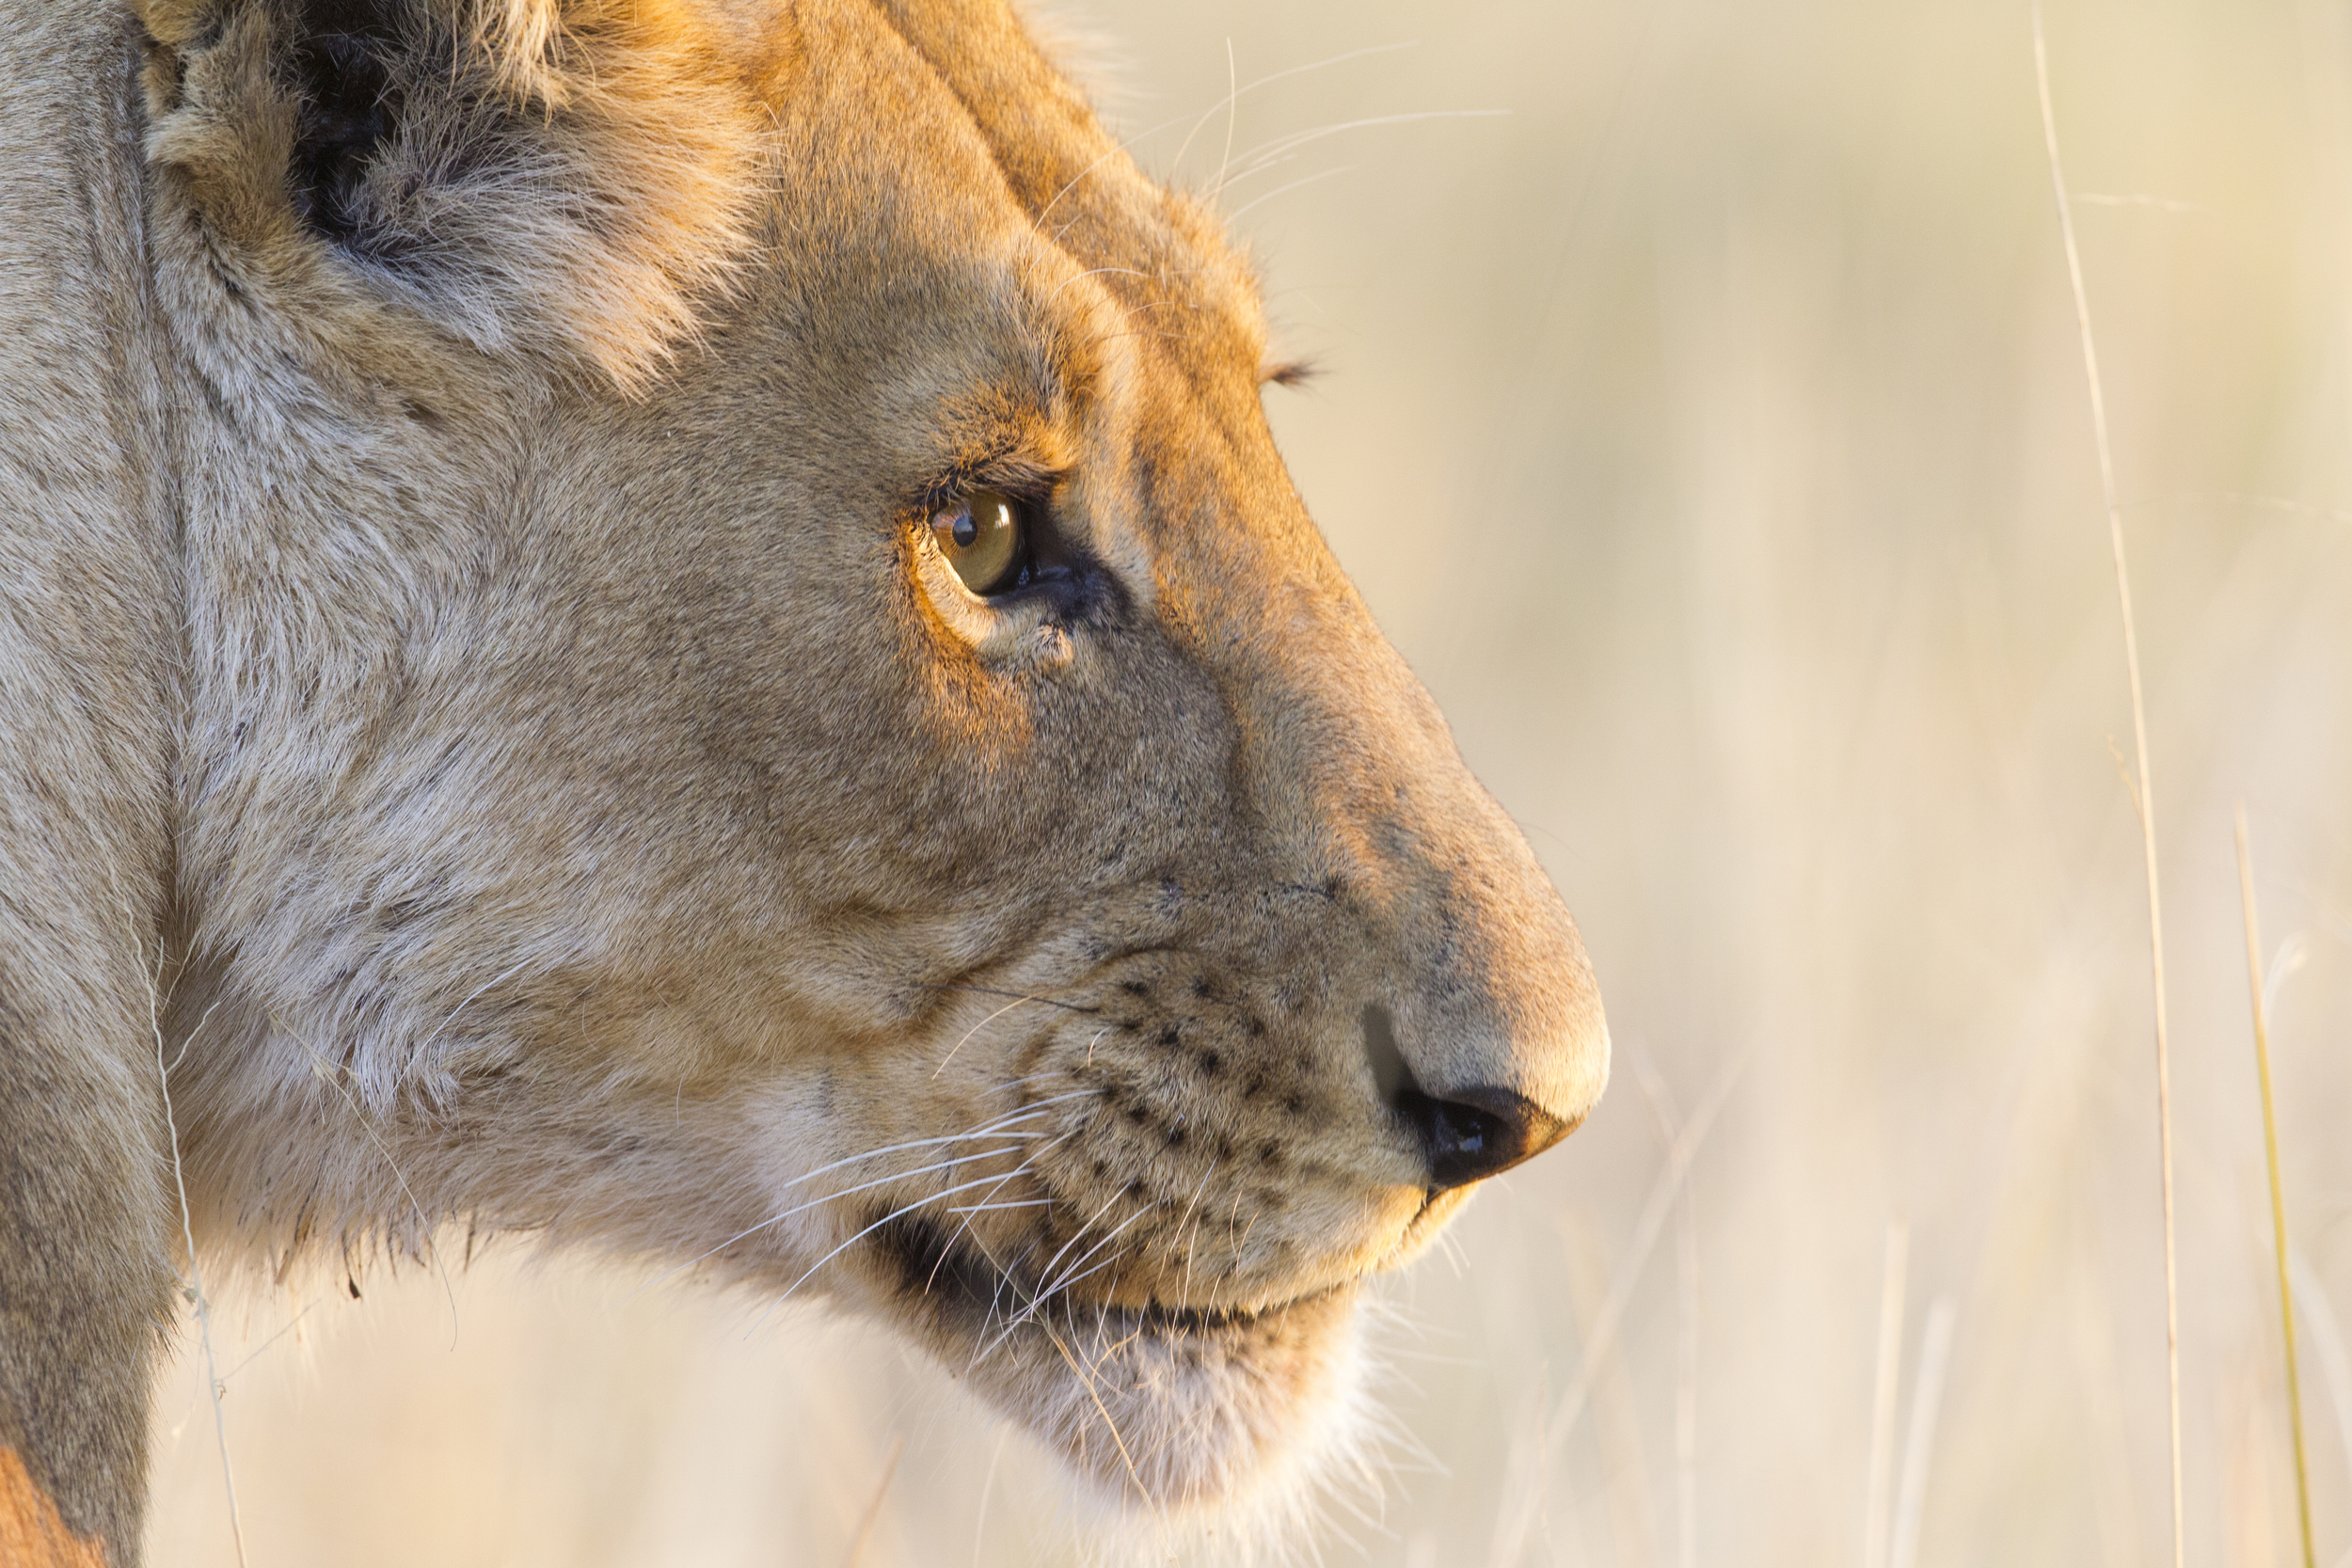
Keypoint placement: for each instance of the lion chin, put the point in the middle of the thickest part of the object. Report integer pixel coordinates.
(1181, 1413)
(676, 626)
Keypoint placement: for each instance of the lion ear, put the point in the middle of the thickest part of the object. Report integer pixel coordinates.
(564, 177)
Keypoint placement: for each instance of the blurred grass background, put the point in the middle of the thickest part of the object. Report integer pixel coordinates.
(1708, 431)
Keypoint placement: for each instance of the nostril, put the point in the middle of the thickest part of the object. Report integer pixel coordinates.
(1468, 1133)
(1477, 1132)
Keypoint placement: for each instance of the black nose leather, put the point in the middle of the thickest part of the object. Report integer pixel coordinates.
(1466, 1135)
(1476, 1133)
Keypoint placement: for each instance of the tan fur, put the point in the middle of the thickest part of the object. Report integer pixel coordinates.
(486, 661)
(32, 1533)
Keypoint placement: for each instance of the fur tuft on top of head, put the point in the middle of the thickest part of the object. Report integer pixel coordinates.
(562, 178)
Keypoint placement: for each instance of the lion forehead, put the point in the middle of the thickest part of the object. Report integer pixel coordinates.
(1074, 187)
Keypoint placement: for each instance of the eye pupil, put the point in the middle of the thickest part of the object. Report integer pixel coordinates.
(964, 528)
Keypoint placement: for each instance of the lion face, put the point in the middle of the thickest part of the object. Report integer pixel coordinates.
(759, 697)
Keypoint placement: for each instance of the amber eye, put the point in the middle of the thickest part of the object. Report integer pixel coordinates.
(980, 536)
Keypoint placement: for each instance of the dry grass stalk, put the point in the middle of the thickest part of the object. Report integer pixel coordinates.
(1687, 1383)
(1877, 1511)
(2277, 1192)
(1662, 1104)
(196, 1280)
(864, 1535)
(1927, 1400)
(1517, 1519)
(2143, 796)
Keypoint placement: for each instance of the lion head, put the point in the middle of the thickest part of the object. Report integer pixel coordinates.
(754, 694)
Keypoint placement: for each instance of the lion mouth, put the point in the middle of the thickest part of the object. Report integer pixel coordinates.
(1162, 1405)
(951, 1280)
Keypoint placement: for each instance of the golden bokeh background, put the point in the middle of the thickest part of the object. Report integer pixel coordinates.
(1709, 431)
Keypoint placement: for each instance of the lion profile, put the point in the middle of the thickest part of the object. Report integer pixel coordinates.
(674, 624)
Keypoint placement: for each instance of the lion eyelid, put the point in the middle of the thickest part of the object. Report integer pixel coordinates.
(1026, 479)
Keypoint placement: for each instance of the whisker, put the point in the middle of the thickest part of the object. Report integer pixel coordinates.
(1232, 116)
(1005, 1282)
(1054, 1262)
(1245, 1236)
(1038, 223)
(1233, 94)
(1087, 1382)
(992, 1018)
(1184, 1294)
(992, 990)
(1098, 1246)
(1019, 1082)
(967, 1211)
(898, 1212)
(1028, 1165)
(1256, 160)
(781, 1215)
(1090, 272)
(1120, 1343)
(1033, 1304)
(1045, 1297)
(1063, 1287)
(1023, 1168)
(985, 1130)
(1235, 217)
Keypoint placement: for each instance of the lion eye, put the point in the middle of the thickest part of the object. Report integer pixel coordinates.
(981, 537)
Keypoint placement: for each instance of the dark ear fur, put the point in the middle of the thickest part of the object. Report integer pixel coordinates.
(350, 107)
(567, 178)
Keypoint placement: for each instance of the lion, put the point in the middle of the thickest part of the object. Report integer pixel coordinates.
(673, 625)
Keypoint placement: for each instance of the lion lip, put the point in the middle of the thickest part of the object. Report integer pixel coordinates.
(956, 1284)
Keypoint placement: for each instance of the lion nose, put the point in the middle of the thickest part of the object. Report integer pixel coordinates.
(1465, 1133)
(1476, 1133)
